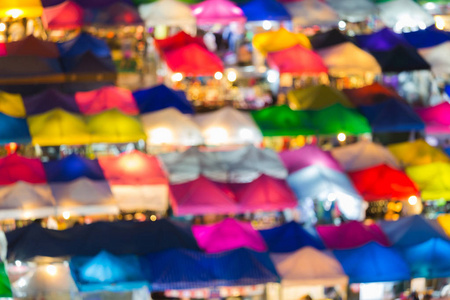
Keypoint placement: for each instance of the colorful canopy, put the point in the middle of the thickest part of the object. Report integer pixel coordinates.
(260, 10)
(13, 130)
(426, 38)
(227, 235)
(228, 126)
(346, 60)
(327, 39)
(49, 99)
(14, 168)
(82, 44)
(383, 182)
(321, 183)
(199, 197)
(444, 221)
(66, 16)
(147, 197)
(217, 12)
(308, 13)
(178, 40)
(58, 127)
(370, 94)
(117, 14)
(411, 231)
(5, 287)
(27, 9)
(160, 97)
(12, 105)
(290, 237)
(404, 13)
(32, 46)
(363, 155)
(306, 156)
(308, 266)
(316, 98)
(121, 128)
(281, 39)
(354, 10)
(436, 118)
(296, 60)
(417, 153)
(170, 127)
(392, 116)
(433, 180)
(72, 167)
(105, 98)
(373, 263)
(187, 269)
(166, 12)
(351, 235)
(436, 57)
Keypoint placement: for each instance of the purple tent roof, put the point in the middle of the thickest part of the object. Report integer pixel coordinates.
(383, 40)
(48, 100)
(306, 156)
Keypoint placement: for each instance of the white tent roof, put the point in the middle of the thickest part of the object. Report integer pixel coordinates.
(363, 155)
(308, 266)
(166, 12)
(23, 200)
(242, 165)
(437, 57)
(170, 127)
(346, 59)
(84, 197)
(228, 126)
(312, 12)
(353, 10)
(404, 13)
(141, 197)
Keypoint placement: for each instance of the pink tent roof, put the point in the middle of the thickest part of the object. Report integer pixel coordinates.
(306, 156)
(132, 168)
(200, 197)
(67, 15)
(106, 98)
(296, 60)
(351, 235)
(228, 235)
(193, 60)
(263, 194)
(3, 49)
(14, 168)
(436, 118)
(178, 40)
(217, 12)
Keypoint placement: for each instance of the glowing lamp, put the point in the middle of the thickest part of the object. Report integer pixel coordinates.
(412, 200)
(161, 136)
(51, 270)
(21, 9)
(341, 137)
(176, 77)
(216, 136)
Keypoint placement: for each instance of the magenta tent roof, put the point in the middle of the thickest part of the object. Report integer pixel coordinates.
(436, 118)
(228, 235)
(201, 196)
(67, 15)
(306, 156)
(296, 60)
(106, 98)
(217, 12)
(14, 168)
(351, 235)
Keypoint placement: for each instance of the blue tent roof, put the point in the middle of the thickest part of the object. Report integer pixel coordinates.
(260, 10)
(160, 97)
(411, 230)
(290, 237)
(107, 272)
(383, 40)
(73, 167)
(48, 100)
(119, 238)
(429, 37)
(14, 130)
(392, 116)
(82, 44)
(429, 259)
(186, 269)
(373, 263)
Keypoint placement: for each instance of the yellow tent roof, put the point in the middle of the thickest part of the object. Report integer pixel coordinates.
(417, 153)
(316, 98)
(12, 105)
(433, 180)
(112, 126)
(444, 221)
(21, 8)
(281, 39)
(58, 127)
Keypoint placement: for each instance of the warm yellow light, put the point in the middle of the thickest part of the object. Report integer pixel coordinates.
(51, 270)
(153, 218)
(412, 200)
(216, 136)
(341, 137)
(440, 22)
(14, 13)
(2, 26)
(176, 77)
(218, 75)
(66, 215)
(27, 215)
(232, 76)
(160, 136)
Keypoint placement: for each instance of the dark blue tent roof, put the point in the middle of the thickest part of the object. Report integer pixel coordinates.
(82, 44)
(373, 263)
(119, 238)
(73, 167)
(14, 130)
(260, 10)
(160, 97)
(327, 39)
(48, 100)
(429, 259)
(392, 116)
(186, 269)
(426, 38)
(411, 230)
(290, 237)
(108, 272)
(88, 63)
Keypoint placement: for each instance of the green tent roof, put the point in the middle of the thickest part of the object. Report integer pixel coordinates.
(317, 97)
(5, 285)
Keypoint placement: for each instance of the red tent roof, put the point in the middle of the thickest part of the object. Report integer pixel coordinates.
(178, 40)
(296, 60)
(370, 94)
(105, 98)
(383, 182)
(31, 46)
(67, 15)
(14, 168)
